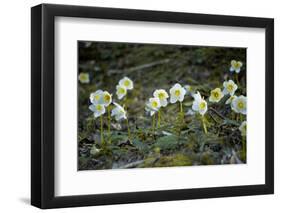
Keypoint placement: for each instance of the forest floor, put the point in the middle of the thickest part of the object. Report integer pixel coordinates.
(177, 139)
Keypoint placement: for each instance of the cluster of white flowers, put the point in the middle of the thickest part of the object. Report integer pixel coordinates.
(200, 105)
(160, 96)
(177, 94)
(101, 99)
(124, 85)
(158, 100)
(238, 104)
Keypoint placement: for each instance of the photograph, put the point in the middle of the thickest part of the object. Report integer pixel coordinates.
(132, 105)
(160, 105)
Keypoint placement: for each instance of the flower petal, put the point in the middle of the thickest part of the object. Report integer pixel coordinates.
(163, 102)
(237, 70)
(195, 105)
(173, 99)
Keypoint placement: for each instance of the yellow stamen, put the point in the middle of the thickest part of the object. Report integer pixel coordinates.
(161, 95)
(216, 94)
(240, 105)
(229, 87)
(154, 104)
(97, 97)
(127, 83)
(107, 98)
(121, 90)
(177, 93)
(202, 105)
(99, 107)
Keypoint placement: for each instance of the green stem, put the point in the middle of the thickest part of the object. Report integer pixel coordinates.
(159, 118)
(232, 116)
(153, 123)
(241, 117)
(179, 132)
(109, 123)
(204, 125)
(129, 132)
(125, 103)
(237, 80)
(181, 110)
(101, 131)
(180, 119)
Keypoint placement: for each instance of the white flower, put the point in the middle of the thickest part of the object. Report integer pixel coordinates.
(243, 128)
(235, 66)
(121, 91)
(199, 104)
(229, 87)
(162, 95)
(153, 105)
(96, 97)
(118, 112)
(239, 104)
(231, 98)
(189, 90)
(106, 98)
(84, 78)
(216, 95)
(127, 83)
(149, 110)
(197, 96)
(177, 93)
(98, 109)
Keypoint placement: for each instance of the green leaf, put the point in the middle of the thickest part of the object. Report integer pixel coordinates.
(140, 145)
(118, 138)
(167, 142)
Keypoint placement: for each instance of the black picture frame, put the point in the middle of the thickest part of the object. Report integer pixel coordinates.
(43, 102)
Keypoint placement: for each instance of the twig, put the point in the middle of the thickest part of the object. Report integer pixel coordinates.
(213, 118)
(218, 114)
(140, 67)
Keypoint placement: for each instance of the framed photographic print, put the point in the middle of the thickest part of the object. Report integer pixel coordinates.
(139, 106)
